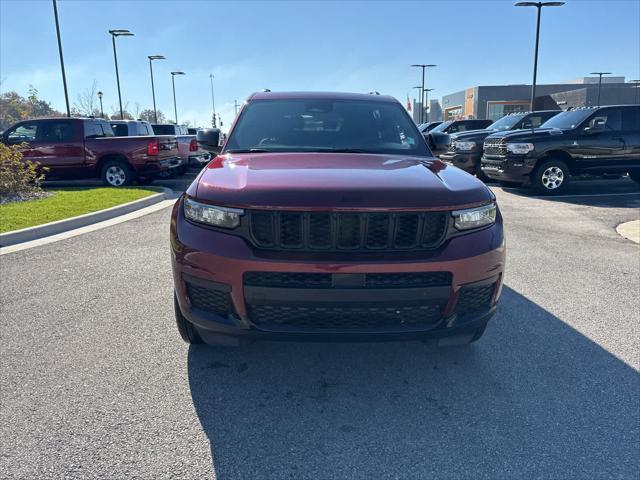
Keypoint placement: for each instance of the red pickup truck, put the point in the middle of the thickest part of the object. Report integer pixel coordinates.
(87, 148)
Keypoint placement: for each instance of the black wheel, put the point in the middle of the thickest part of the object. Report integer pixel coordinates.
(116, 173)
(187, 331)
(551, 177)
(635, 176)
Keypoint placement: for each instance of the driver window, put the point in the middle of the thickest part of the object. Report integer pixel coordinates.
(608, 120)
(23, 133)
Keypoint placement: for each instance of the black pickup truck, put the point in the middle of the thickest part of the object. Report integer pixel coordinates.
(595, 141)
(465, 148)
(438, 137)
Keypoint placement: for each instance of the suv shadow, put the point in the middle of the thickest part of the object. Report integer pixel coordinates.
(533, 398)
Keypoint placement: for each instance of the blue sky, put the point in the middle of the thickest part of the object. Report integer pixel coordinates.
(345, 46)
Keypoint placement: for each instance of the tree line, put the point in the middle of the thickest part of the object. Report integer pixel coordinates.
(15, 108)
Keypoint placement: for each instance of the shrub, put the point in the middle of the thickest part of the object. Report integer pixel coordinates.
(19, 179)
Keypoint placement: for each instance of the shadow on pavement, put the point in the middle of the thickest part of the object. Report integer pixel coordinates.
(533, 398)
(618, 193)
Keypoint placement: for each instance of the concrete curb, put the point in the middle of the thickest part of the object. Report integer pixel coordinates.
(60, 226)
(630, 230)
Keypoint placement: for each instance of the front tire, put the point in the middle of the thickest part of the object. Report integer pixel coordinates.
(551, 177)
(116, 173)
(187, 331)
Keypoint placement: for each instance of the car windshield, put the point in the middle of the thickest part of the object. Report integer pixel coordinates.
(505, 123)
(442, 126)
(566, 120)
(326, 125)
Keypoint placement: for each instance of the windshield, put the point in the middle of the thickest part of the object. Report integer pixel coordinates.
(505, 123)
(566, 120)
(442, 126)
(326, 125)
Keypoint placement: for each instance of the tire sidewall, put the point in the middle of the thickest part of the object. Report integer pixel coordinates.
(128, 172)
(538, 184)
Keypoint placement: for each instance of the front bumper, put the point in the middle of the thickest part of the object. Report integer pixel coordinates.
(464, 161)
(208, 264)
(508, 169)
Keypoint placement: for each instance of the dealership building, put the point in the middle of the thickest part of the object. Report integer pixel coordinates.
(495, 101)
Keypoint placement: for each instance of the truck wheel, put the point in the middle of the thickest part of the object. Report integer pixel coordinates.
(116, 173)
(187, 331)
(551, 177)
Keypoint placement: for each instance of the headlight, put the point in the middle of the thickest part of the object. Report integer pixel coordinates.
(519, 148)
(475, 217)
(464, 146)
(210, 215)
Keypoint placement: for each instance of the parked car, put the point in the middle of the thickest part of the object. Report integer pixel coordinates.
(427, 127)
(325, 216)
(596, 141)
(87, 147)
(465, 148)
(188, 149)
(131, 128)
(438, 137)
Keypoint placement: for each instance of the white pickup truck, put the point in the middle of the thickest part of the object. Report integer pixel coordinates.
(188, 148)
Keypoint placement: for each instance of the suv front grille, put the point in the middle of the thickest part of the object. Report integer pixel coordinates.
(346, 231)
(495, 146)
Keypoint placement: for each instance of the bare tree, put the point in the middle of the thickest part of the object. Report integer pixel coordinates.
(86, 103)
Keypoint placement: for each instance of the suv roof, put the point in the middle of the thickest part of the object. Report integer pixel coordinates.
(320, 95)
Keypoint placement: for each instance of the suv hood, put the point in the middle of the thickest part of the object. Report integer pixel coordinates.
(527, 135)
(336, 180)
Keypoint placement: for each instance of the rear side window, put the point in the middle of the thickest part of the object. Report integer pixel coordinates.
(120, 129)
(97, 130)
(164, 129)
(631, 119)
(26, 132)
(144, 129)
(56, 131)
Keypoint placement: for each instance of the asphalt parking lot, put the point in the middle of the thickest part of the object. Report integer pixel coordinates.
(96, 382)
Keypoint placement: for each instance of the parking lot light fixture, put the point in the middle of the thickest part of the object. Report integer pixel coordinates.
(101, 111)
(600, 74)
(539, 6)
(173, 83)
(213, 103)
(426, 101)
(423, 66)
(637, 87)
(120, 32)
(153, 90)
(64, 75)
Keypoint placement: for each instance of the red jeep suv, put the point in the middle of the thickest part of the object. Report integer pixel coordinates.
(325, 217)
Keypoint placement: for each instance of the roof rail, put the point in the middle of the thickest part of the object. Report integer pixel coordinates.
(267, 90)
(374, 93)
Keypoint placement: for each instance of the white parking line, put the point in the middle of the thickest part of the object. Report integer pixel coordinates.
(89, 228)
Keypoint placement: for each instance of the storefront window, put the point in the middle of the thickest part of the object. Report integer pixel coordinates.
(499, 110)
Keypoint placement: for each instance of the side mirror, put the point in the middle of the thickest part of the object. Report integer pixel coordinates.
(438, 142)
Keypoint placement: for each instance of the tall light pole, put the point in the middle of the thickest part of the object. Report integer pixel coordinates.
(423, 66)
(153, 90)
(426, 99)
(539, 6)
(600, 74)
(419, 88)
(213, 103)
(118, 33)
(64, 76)
(173, 82)
(236, 105)
(101, 111)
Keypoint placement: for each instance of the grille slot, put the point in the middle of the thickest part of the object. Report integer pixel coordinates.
(324, 280)
(474, 298)
(347, 318)
(346, 231)
(208, 299)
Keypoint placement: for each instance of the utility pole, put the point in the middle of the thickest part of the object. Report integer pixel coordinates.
(118, 33)
(600, 74)
(213, 104)
(423, 66)
(64, 76)
(153, 90)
